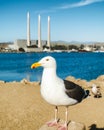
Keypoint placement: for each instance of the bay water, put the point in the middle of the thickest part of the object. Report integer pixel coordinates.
(17, 66)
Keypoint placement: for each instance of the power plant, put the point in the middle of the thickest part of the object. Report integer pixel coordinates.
(28, 29)
(29, 45)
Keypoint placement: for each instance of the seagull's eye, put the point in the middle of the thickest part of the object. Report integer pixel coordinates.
(47, 59)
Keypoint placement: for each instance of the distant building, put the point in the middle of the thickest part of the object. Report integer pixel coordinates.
(87, 48)
(21, 44)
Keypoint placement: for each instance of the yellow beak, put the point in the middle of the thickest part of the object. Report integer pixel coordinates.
(35, 65)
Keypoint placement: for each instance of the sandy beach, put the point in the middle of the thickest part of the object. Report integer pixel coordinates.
(22, 107)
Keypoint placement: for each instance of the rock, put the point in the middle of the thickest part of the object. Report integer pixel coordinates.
(76, 126)
(71, 78)
(100, 78)
(2, 81)
(25, 81)
(71, 126)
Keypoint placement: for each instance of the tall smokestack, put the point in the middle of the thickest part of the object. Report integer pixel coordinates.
(39, 32)
(28, 29)
(48, 41)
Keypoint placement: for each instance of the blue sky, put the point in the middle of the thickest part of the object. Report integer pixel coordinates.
(71, 20)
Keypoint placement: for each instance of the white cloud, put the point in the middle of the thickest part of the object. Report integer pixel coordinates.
(79, 4)
(68, 6)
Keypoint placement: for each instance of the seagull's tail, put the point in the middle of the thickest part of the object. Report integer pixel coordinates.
(87, 93)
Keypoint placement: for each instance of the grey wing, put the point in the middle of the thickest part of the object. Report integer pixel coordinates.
(74, 91)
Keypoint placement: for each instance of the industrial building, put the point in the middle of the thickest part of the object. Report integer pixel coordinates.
(29, 45)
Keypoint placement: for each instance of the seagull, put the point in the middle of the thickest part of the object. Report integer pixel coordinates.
(96, 91)
(58, 92)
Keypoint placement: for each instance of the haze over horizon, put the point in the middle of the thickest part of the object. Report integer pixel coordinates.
(71, 20)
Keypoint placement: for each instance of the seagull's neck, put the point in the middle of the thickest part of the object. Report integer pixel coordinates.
(49, 74)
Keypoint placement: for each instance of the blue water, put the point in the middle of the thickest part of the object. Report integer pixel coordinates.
(16, 66)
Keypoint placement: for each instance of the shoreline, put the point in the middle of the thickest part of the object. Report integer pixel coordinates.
(71, 78)
(55, 51)
(23, 108)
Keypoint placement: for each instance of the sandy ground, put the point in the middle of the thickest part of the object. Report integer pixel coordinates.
(22, 107)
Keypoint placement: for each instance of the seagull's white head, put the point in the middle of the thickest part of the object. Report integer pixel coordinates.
(46, 62)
